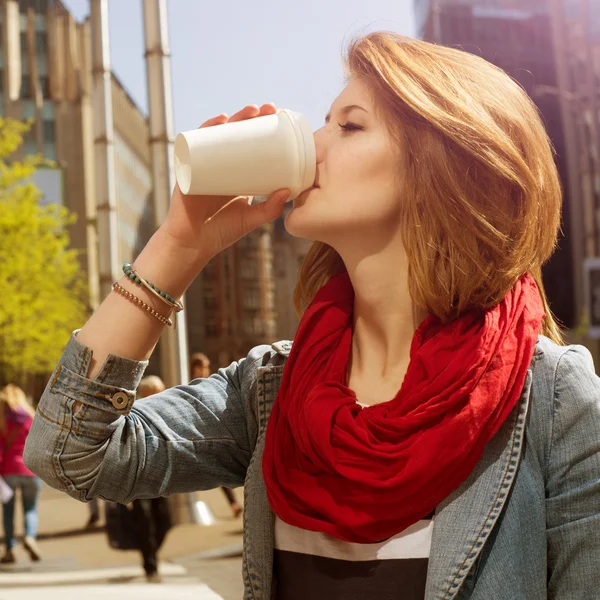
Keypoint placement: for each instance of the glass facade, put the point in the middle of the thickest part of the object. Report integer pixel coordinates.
(48, 139)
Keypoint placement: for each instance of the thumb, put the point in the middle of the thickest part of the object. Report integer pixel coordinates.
(270, 210)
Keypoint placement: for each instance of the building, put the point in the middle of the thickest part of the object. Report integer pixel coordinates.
(517, 36)
(243, 298)
(46, 75)
(231, 303)
(288, 254)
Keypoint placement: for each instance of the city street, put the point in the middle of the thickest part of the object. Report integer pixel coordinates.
(200, 562)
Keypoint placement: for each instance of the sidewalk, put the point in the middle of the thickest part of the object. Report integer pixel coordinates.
(78, 563)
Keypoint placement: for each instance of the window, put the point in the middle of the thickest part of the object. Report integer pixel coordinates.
(39, 6)
(28, 109)
(40, 43)
(253, 326)
(50, 151)
(48, 110)
(45, 87)
(49, 129)
(248, 268)
(247, 242)
(25, 87)
(29, 147)
(210, 299)
(252, 299)
(27, 91)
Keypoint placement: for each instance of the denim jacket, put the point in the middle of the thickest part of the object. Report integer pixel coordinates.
(525, 525)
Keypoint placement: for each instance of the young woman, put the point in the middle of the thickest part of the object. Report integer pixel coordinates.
(427, 436)
(16, 415)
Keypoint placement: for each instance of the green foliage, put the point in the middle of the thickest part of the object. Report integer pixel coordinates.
(42, 286)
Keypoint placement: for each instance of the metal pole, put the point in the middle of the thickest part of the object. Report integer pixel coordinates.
(572, 152)
(173, 350)
(87, 134)
(106, 187)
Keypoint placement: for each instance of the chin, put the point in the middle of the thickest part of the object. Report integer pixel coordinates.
(307, 223)
(297, 224)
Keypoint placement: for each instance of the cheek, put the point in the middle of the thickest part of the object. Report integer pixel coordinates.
(366, 181)
(359, 189)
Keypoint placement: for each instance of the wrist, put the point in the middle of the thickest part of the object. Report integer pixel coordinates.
(168, 265)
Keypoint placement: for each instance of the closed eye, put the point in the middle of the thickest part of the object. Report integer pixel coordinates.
(349, 126)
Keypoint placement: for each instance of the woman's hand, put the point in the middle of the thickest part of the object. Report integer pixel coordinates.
(209, 224)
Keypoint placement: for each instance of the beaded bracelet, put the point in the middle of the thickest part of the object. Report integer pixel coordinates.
(123, 292)
(134, 276)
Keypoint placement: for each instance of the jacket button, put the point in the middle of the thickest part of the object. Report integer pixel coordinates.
(120, 400)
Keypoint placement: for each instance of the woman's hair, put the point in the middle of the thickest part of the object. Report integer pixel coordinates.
(482, 198)
(13, 398)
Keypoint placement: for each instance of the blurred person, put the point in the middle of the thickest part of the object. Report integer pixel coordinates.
(16, 415)
(427, 376)
(94, 508)
(150, 517)
(200, 369)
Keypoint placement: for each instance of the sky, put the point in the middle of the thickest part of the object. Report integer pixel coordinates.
(229, 53)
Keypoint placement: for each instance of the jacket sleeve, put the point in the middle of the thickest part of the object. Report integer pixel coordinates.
(573, 480)
(190, 437)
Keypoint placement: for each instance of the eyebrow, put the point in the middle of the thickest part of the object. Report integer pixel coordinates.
(345, 111)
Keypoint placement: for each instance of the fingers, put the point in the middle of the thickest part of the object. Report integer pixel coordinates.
(219, 120)
(267, 211)
(248, 112)
(244, 217)
(268, 109)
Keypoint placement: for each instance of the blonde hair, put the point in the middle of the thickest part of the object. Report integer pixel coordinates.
(13, 398)
(482, 196)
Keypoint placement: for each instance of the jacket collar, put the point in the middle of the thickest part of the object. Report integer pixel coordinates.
(465, 519)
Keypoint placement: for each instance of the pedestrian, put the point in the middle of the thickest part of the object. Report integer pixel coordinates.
(428, 435)
(150, 517)
(16, 415)
(200, 369)
(94, 508)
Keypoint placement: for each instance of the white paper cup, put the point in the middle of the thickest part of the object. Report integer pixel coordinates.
(247, 158)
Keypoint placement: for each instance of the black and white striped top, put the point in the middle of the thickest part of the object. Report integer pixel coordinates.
(315, 566)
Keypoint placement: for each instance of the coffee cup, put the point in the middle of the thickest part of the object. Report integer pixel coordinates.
(255, 157)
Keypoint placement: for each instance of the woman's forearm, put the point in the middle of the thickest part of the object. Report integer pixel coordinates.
(121, 327)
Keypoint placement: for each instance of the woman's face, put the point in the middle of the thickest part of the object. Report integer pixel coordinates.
(357, 189)
(200, 372)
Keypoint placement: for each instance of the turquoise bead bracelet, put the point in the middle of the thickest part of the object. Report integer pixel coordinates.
(133, 275)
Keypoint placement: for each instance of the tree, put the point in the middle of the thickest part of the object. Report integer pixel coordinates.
(42, 286)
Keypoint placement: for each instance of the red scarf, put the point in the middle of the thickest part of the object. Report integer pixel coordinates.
(365, 475)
